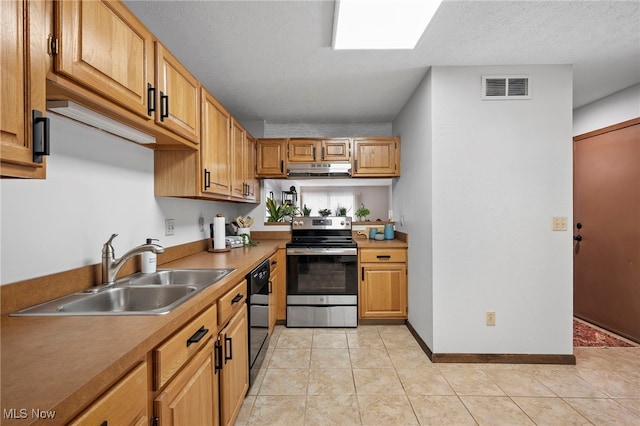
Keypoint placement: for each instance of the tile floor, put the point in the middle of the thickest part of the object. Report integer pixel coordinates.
(378, 375)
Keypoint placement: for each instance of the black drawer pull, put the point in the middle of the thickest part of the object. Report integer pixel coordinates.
(228, 349)
(237, 298)
(386, 256)
(197, 336)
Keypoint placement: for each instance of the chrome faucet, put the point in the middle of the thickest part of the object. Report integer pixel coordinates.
(111, 265)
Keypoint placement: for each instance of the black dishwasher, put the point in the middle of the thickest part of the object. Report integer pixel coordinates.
(258, 290)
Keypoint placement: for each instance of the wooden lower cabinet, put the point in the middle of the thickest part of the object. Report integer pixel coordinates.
(192, 396)
(234, 373)
(383, 285)
(280, 287)
(124, 404)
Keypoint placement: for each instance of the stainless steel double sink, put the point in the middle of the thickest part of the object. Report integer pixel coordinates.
(138, 294)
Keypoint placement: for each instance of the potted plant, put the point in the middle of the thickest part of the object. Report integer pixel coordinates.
(288, 211)
(324, 212)
(362, 213)
(342, 211)
(306, 211)
(274, 211)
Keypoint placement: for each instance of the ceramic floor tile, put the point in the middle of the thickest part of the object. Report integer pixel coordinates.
(393, 329)
(361, 329)
(245, 411)
(514, 382)
(332, 410)
(426, 381)
(372, 381)
(603, 411)
(255, 386)
(632, 405)
(471, 381)
(331, 381)
(294, 341)
(495, 411)
(550, 411)
(441, 410)
(278, 411)
(330, 358)
(613, 384)
(329, 341)
(399, 341)
(386, 410)
(317, 331)
(290, 358)
(568, 384)
(370, 358)
(285, 381)
(365, 340)
(410, 358)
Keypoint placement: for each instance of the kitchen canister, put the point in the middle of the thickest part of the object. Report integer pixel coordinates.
(388, 232)
(372, 233)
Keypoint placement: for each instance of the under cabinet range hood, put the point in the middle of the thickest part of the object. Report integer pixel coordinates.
(319, 170)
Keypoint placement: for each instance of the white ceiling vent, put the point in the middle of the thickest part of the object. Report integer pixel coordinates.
(496, 87)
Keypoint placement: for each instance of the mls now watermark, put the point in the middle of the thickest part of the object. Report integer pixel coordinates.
(25, 413)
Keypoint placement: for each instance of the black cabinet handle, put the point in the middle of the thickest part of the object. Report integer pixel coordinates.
(207, 179)
(322, 153)
(228, 349)
(281, 166)
(40, 137)
(237, 298)
(274, 262)
(577, 238)
(104, 423)
(362, 273)
(151, 99)
(314, 152)
(197, 336)
(217, 349)
(164, 106)
(270, 286)
(355, 165)
(386, 256)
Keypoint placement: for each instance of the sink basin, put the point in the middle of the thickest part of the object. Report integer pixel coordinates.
(131, 299)
(195, 277)
(139, 294)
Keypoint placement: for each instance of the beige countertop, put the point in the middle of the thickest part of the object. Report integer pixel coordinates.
(64, 363)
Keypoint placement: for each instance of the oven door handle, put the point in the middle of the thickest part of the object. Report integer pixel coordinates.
(321, 251)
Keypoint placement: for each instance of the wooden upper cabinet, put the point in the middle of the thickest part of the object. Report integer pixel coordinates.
(215, 147)
(376, 157)
(271, 158)
(250, 170)
(178, 96)
(103, 47)
(319, 150)
(238, 156)
(22, 88)
(335, 150)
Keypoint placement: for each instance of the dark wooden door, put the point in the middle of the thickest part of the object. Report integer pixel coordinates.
(607, 206)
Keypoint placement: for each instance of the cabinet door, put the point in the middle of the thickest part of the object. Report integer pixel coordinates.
(274, 283)
(335, 150)
(281, 287)
(271, 158)
(215, 152)
(302, 150)
(238, 155)
(125, 404)
(234, 375)
(191, 398)
(178, 96)
(104, 48)
(383, 291)
(253, 187)
(22, 86)
(376, 157)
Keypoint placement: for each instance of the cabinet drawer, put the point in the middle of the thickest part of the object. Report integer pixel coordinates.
(178, 349)
(231, 302)
(386, 256)
(124, 404)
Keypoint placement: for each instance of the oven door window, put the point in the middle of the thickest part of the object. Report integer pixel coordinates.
(313, 274)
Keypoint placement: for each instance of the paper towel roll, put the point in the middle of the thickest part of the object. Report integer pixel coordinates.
(218, 233)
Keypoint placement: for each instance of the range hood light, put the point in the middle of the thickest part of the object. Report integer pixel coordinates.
(91, 118)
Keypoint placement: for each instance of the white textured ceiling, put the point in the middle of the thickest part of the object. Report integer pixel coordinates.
(273, 61)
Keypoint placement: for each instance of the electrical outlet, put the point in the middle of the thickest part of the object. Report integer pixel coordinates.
(169, 226)
(201, 224)
(559, 223)
(491, 318)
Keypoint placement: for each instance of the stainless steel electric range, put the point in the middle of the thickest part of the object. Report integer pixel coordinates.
(322, 273)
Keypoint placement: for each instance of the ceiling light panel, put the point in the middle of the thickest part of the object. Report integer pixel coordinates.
(381, 24)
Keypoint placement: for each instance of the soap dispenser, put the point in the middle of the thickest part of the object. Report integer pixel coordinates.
(148, 259)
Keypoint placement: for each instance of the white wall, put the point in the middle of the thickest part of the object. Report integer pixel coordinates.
(412, 204)
(96, 185)
(613, 109)
(500, 171)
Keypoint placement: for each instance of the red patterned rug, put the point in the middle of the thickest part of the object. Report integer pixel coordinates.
(586, 335)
